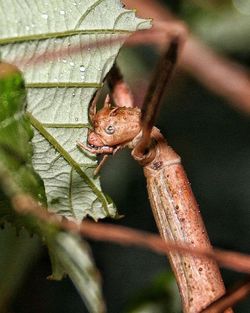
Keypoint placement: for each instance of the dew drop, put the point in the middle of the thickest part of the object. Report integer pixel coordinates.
(62, 12)
(76, 119)
(64, 60)
(45, 16)
(71, 63)
(82, 68)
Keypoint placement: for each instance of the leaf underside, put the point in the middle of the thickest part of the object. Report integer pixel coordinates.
(68, 254)
(83, 38)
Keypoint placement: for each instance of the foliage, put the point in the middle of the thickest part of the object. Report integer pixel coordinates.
(68, 254)
(83, 39)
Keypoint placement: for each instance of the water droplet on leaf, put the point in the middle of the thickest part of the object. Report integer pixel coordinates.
(45, 16)
(82, 68)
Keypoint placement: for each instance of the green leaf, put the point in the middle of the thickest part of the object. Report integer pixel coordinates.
(60, 90)
(68, 254)
(15, 146)
(159, 297)
(18, 254)
(75, 257)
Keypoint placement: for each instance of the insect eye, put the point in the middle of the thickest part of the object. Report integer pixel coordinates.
(110, 129)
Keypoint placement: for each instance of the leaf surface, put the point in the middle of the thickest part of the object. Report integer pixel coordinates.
(60, 89)
(17, 177)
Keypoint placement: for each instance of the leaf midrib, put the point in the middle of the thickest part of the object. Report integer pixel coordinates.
(39, 126)
(55, 35)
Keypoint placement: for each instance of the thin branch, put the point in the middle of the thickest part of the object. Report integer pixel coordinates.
(126, 236)
(229, 299)
(220, 75)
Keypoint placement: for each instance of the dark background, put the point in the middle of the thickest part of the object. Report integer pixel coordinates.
(213, 140)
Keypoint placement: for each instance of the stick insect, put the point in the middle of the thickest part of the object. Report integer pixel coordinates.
(174, 207)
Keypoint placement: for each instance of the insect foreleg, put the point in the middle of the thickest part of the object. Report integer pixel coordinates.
(120, 91)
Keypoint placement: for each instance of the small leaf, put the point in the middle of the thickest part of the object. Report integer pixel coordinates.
(74, 256)
(159, 297)
(60, 90)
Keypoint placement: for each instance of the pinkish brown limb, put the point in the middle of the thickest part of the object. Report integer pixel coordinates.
(105, 158)
(210, 68)
(120, 91)
(150, 108)
(161, 33)
(229, 299)
(100, 164)
(24, 204)
(96, 150)
(92, 107)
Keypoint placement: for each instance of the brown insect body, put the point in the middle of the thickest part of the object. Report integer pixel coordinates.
(173, 204)
(171, 199)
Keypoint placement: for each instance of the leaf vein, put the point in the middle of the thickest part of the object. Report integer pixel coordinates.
(36, 124)
(93, 6)
(28, 38)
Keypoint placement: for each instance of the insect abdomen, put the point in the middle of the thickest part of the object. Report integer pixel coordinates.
(174, 205)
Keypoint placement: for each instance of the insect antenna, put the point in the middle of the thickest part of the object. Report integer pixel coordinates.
(151, 104)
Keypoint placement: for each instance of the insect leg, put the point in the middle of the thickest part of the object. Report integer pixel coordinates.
(120, 91)
(100, 165)
(155, 91)
(92, 107)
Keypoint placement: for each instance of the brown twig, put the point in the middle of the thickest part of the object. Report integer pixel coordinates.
(54, 54)
(220, 75)
(229, 299)
(24, 204)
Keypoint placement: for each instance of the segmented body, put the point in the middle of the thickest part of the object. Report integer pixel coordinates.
(171, 198)
(174, 205)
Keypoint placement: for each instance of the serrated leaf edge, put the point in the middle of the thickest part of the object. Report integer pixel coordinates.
(40, 128)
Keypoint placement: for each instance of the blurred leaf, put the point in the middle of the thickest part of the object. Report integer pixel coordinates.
(18, 254)
(160, 297)
(217, 25)
(68, 254)
(75, 258)
(15, 146)
(60, 91)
